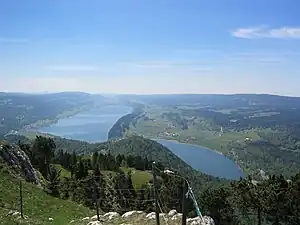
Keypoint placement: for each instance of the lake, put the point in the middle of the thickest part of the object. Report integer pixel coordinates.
(90, 126)
(93, 126)
(204, 160)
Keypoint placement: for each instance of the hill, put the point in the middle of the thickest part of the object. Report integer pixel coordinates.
(258, 132)
(101, 175)
(38, 206)
(24, 111)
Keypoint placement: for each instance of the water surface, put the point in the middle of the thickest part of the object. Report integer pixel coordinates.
(205, 160)
(91, 126)
(94, 125)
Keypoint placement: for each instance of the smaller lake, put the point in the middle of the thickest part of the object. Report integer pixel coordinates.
(90, 126)
(204, 160)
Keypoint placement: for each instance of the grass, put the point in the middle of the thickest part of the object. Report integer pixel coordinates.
(201, 131)
(63, 171)
(139, 178)
(37, 205)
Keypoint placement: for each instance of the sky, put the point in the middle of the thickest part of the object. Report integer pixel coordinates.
(150, 46)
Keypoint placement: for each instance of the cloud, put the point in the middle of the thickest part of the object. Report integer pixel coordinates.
(265, 32)
(5, 40)
(73, 68)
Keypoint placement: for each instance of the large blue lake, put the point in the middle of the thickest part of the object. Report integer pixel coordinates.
(205, 160)
(90, 126)
(93, 126)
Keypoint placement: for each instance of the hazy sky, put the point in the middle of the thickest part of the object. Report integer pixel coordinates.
(150, 46)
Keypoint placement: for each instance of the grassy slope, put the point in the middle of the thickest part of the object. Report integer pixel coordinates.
(203, 132)
(154, 151)
(38, 206)
(138, 177)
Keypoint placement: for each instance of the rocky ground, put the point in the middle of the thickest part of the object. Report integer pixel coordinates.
(128, 218)
(139, 217)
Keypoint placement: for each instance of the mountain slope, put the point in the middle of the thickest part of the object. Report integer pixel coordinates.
(146, 148)
(37, 205)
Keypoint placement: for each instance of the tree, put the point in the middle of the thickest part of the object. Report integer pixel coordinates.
(81, 171)
(54, 180)
(43, 148)
(251, 197)
(95, 159)
(216, 203)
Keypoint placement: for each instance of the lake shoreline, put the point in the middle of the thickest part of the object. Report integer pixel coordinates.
(186, 143)
(204, 159)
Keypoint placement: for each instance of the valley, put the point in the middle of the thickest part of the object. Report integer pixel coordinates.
(107, 149)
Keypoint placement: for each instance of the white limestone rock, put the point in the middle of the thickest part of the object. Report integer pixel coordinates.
(177, 216)
(198, 221)
(132, 213)
(172, 213)
(94, 223)
(85, 218)
(111, 215)
(150, 216)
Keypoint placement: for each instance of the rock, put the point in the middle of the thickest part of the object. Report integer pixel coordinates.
(94, 223)
(131, 213)
(111, 215)
(198, 221)
(172, 213)
(50, 219)
(150, 216)
(85, 218)
(208, 220)
(162, 215)
(20, 162)
(95, 217)
(177, 216)
(16, 214)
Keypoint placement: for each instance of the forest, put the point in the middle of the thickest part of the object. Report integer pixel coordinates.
(96, 179)
(258, 132)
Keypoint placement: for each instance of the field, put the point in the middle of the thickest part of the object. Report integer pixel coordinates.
(139, 178)
(255, 136)
(199, 130)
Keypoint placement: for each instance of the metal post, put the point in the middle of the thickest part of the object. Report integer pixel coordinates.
(155, 194)
(21, 200)
(184, 202)
(96, 199)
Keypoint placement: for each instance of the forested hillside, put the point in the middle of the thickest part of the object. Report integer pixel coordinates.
(112, 180)
(258, 132)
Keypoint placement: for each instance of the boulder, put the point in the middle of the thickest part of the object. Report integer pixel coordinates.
(111, 215)
(95, 217)
(150, 216)
(198, 221)
(132, 213)
(177, 216)
(85, 218)
(50, 219)
(162, 215)
(208, 220)
(172, 213)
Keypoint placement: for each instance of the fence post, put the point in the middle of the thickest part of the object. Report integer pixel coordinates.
(184, 202)
(96, 199)
(155, 194)
(21, 199)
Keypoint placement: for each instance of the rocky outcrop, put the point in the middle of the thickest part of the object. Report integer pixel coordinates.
(139, 217)
(20, 162)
